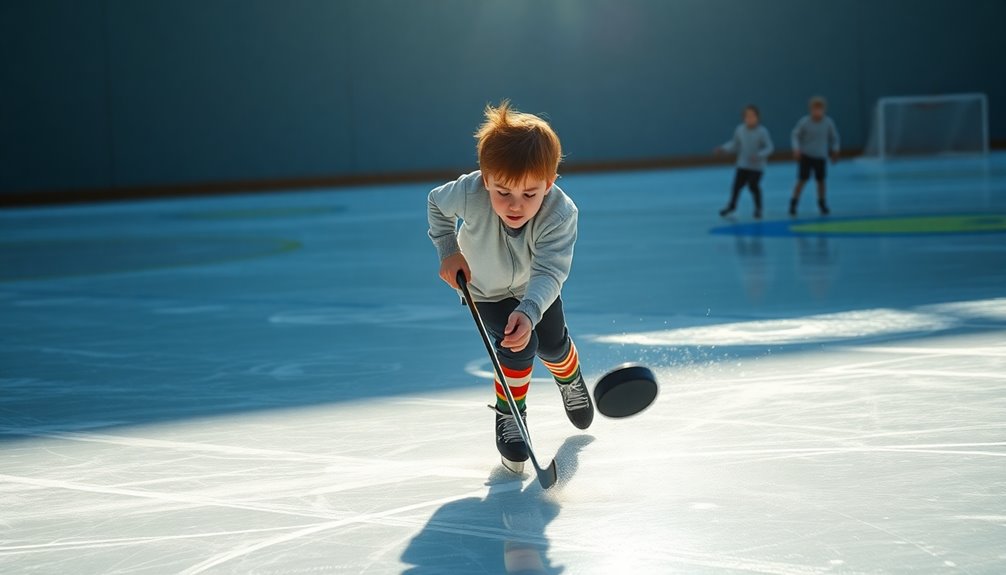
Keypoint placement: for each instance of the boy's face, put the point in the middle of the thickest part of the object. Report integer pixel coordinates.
(750, 119)
(516, 203)
(816, 112)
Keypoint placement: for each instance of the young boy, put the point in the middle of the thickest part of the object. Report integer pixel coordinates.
(753, 145)
(814, 139)
(515, 247)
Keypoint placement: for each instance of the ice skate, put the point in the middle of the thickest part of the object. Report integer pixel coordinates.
(509, 442)
(576, 400)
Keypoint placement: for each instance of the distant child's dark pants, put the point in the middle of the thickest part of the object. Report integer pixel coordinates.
(810, 164)
(751, 179)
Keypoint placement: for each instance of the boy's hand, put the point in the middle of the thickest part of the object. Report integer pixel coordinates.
(517, 332)
(796, 154)
(834, 157)
(449, 269)
(717, 151)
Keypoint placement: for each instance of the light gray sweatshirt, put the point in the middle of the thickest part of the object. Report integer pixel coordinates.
(753, 147)
(529, 264)
(815, 139)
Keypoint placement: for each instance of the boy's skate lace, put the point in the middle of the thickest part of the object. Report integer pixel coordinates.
(574, 395)
(509, 430)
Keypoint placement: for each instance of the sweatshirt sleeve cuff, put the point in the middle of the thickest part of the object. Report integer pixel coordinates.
(446, 245)
(531, 310)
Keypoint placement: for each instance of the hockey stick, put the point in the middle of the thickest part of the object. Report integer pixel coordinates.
(546, 476)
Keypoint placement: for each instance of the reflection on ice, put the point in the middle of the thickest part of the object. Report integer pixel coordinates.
(504, 532)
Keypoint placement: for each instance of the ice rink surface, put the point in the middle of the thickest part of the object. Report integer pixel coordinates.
(279, 384)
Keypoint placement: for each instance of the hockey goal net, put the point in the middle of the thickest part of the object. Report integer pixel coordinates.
(929, 125)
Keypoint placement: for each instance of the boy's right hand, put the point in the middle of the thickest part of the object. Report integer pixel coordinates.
(796, 154)
(449, 269)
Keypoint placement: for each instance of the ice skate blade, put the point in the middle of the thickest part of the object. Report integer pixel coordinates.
(515, 466)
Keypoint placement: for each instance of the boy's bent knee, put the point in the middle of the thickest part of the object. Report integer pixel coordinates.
(555, 350)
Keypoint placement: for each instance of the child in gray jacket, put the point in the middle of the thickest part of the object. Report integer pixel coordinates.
(815, 138)
(753, 146)
(515, 247)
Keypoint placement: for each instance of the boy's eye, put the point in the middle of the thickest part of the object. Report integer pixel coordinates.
(502, 193)
(529, 196)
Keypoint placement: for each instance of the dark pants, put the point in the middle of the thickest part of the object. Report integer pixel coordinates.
(549, 340)
(751, 179)
(810, 164)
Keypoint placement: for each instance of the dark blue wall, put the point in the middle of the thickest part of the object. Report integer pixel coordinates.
(122, 93)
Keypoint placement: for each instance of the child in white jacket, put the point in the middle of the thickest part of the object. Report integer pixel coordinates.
(515, 247)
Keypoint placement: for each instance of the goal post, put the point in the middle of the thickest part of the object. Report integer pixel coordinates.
(929, 125)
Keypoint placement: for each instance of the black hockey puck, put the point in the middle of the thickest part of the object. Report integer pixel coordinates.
(625, 390)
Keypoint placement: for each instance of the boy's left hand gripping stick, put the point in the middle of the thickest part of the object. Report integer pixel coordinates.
(547, 476)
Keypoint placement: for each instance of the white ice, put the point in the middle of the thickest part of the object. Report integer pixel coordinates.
(828, 405)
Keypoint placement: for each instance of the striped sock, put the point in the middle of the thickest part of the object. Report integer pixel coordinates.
(568, 369)
(518, 380)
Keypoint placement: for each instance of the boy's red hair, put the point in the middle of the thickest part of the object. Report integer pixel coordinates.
(514, 145)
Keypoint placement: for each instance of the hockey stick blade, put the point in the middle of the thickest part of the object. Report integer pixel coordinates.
(547, 476)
